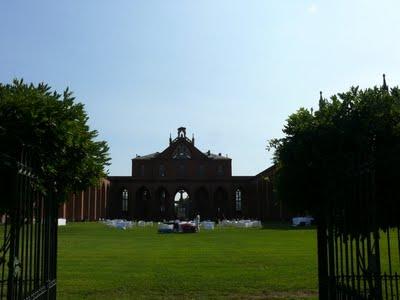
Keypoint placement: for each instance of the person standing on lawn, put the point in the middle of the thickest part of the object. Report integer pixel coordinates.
(197, 222)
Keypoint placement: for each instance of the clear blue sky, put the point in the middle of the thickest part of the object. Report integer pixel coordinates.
(230, 71)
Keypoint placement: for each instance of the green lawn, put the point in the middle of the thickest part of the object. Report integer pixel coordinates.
(98, 262)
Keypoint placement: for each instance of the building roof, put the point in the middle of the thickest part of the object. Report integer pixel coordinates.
(208, 154)
(215, 156)
(179, 140)
(148, 156)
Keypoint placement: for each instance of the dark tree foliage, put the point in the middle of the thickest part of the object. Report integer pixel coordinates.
(323, 155)
(53, 128)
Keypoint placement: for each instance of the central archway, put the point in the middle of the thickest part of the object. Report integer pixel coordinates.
(203, 204)
(220, 203)
(182, 205)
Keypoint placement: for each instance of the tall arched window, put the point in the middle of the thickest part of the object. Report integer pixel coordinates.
(162, 200)
(182, 205)
(220, 170)
(238, 200)
(162, 171)
(142, 170)
(201, 170)
(125, 200)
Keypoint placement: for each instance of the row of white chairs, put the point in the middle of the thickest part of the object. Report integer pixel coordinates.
(206, 224)
(124, 224)
(241, 223)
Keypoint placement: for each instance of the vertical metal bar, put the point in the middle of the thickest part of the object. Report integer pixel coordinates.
(346, 248)
(358, 257)
(331, 262)
(341, 259)
(370, 272)
(45, 241)
(31, 257)
(398, 241)
(29, 242)
(385, 285)
(365, 262)
(23, 258)
(377, 258)
(337, 262)
(353, 284)
(38, 242)
(20, 258)
(27, 205)
(34, 245)
(5, 250)
(322, 260)
(20, 237)
(36, 254)
(21, 193)
(55, 245)
(14, 238)
(389, 260)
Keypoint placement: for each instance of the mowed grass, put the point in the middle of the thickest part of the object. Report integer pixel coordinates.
(98, 262)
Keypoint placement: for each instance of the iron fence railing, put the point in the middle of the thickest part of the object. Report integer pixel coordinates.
(364, 267)
(358, 251)
(28, 253)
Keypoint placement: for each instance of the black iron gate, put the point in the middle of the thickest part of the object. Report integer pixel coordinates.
(358, 250)
(361, 266)
(28, 253)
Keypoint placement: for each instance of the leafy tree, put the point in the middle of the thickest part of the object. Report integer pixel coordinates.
(324, 152)
(53, 128)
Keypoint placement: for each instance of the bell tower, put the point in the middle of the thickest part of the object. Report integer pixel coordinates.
(182, 132)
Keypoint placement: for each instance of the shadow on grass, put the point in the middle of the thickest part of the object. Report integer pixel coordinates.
(285, 226)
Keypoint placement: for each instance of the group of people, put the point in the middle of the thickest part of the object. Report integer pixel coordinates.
(187, 226)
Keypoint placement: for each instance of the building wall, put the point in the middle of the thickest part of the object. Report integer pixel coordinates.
(271, 209)
(213, 198)
(89, 205)
(156, 178)
(258, 201)
(194, 168)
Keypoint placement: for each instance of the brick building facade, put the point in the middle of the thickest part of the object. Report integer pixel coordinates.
(182, 181)
(179, 182)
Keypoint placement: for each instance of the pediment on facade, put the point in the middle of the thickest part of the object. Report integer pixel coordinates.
(182, 150)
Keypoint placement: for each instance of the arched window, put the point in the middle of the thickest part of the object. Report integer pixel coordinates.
(162, 171)
(181, 152)
(201, 171)
(238, 200)
(182, 204)
(142, 170)
(125, 200)
(163, 197)
(220, 170)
